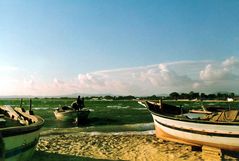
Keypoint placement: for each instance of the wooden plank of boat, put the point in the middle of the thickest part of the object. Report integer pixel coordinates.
(223, 135)
(10, 111)
(18, 115)
(26, 114)
(200, 111)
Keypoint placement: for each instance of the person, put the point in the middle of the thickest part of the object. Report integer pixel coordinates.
(80, 102)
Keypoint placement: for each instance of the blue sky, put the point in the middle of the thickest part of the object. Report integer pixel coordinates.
(139, 47)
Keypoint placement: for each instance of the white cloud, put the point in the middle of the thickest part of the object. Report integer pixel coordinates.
(221, 76)
(137, 81)
(163, 78)
(231, 62)
(221, 71)
(185, 76)
(209, 73)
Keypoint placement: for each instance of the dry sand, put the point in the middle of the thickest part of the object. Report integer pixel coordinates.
(132, 147)
(105, 146)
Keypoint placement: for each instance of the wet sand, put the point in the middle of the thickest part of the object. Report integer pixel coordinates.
(110, 146)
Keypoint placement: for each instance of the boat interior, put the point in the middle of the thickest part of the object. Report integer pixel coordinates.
(225, 115)
(16, 116)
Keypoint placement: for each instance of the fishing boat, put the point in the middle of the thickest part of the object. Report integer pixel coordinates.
(19, 131)
(70, 115)
(213, 129)
(74, 113)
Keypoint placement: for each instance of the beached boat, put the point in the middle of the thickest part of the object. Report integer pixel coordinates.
(19, 131)
(74, 113)
(213, 129)
(71, 115)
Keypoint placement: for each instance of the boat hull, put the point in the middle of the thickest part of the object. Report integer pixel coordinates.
(72, 115)
(172, 124)
(19, 143)
(197, 134)
(21, 147)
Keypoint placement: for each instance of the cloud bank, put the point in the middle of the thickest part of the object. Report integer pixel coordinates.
(164, 78)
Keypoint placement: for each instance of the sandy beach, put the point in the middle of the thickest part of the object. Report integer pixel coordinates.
(111, 146)
(132, 146)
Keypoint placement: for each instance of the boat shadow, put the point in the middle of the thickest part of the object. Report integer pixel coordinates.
(234, 155)
(94, 121)
(41, 155)
(101, 121)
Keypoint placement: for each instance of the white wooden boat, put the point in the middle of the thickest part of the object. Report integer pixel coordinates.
(19, 131)
(72, 115)
(220, 130)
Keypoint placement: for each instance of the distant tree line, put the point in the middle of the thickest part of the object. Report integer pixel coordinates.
(129, 97)
(174, 95)
(202, 96)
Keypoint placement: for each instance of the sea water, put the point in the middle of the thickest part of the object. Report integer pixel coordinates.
(105, 116)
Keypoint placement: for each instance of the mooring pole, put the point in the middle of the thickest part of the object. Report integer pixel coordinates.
(21, 103)
(30, 110)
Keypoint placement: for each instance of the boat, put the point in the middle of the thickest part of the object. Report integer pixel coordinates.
(19, 131)
(68, 114)
(213, 129)
(74, 113)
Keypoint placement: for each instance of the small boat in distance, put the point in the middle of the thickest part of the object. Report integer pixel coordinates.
(19, 131)
(213, 129)
(74, 113)
(66, 113)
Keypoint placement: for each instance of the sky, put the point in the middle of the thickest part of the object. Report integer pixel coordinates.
(118, 47)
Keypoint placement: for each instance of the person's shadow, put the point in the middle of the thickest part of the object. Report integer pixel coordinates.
(41, 155)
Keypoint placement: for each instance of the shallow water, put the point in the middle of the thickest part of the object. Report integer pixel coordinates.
(105, 116)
